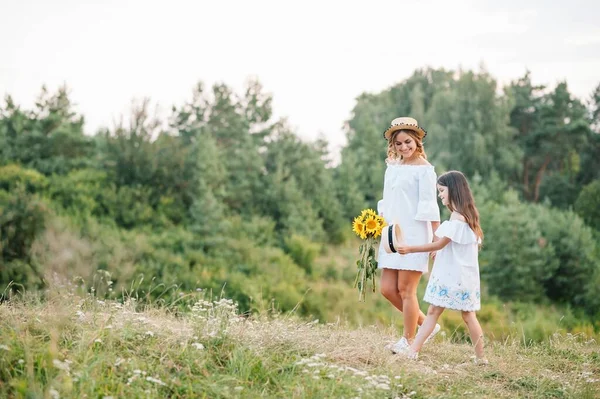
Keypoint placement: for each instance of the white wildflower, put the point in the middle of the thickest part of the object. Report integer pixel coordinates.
(21, 361)
(238, 388)
(198, 345)
(132, 378)
(54, 393)
(149, 333)
(98, 341)
(6, 348)
(156, 381)
(61, 365)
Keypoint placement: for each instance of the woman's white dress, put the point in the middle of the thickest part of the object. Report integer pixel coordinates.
(409, 199)
(454, 280)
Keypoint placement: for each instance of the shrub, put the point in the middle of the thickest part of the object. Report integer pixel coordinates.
(22, 218)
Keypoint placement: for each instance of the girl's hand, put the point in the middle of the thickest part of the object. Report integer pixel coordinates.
(433, 254)
(404, 250)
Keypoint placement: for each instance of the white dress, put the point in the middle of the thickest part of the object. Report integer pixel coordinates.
(409, 199)
(454, 280)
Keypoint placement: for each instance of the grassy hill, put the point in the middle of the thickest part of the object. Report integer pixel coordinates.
(73, 346)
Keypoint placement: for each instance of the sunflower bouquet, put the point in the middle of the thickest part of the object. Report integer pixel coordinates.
(367, 226)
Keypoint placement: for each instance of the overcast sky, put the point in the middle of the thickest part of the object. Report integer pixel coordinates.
(314, 57)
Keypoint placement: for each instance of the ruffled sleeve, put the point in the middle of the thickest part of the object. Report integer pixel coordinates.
(380, 207)
(427, 207)
(457, 231)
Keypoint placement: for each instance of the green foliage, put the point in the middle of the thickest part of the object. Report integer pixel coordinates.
(516, 259)
(534, 253)
(227, 199)
(302, 251)
(574, 246)
(587, 205)
(545, 121)
(49, 138)
(22, 218)
(13, 176)
(84, 191)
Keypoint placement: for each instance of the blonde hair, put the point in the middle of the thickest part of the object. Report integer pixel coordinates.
(391, 153)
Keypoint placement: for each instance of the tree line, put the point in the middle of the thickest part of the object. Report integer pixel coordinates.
(221, 192)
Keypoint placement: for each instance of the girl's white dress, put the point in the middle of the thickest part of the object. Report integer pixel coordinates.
(454, 280)
(409, 199)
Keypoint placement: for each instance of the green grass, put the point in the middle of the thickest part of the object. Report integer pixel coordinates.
(72, 347)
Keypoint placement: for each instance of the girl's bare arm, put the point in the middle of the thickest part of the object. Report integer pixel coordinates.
(434, 246)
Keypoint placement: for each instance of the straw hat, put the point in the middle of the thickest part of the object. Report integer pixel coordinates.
(391, 237)
(404, 123)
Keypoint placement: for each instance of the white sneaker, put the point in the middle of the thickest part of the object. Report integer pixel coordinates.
(401, 346)
(481, 361)
(436, 330)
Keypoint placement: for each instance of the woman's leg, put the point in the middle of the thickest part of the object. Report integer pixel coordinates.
(408, 280)
(389, 289)
(475, 331)
(433, 314)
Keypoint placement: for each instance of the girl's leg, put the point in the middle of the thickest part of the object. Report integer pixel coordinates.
(389, 289)
(475, 331)
(408, 280)
(433, 314)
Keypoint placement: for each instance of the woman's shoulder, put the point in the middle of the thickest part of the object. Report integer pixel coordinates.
(422, 162)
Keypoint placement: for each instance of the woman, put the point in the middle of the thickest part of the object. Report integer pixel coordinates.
(409, 200)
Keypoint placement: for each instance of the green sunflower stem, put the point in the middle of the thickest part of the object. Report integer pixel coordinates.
(367, 268)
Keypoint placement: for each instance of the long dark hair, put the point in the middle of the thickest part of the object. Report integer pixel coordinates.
(460, 198)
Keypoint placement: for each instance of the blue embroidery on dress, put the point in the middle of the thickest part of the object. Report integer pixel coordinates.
(459, 298)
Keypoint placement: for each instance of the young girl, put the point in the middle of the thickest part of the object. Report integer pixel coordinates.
(454, 281)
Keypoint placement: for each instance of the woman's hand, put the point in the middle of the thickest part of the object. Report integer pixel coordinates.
(404, 249)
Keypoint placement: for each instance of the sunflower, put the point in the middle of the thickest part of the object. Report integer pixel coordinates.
(358, 227)
(380, 225)
(368, 212)
(371, 225)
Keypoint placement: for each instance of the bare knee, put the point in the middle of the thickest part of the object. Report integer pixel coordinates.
(468, 317)
(407, 283)
(434, 310)
(389, 291)
(406, 291)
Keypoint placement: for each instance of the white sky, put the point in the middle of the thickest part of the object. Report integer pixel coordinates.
(315, 57)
